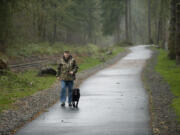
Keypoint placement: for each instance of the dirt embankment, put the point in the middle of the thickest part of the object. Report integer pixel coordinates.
(163, 117)
(30, 107)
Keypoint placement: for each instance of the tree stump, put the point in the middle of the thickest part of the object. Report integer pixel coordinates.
(3, 66)
(177, 43)
(47, 71)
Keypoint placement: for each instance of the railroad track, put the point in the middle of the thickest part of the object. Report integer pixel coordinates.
(34, 64)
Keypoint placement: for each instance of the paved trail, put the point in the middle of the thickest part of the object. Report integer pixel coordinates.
(113, 102)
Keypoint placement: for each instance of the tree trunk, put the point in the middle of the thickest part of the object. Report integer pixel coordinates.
(118, 30)
(44, 30)
(126, 20)
(130, 18)
(54, 32)
(5, 23)
(55, 26)
(171, 41)
(160, 25)
(149, 21)
(159, 30)
(177, 41)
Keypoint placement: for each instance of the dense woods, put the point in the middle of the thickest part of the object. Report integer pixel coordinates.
(47, 20)
(174, 36)
(90, 21)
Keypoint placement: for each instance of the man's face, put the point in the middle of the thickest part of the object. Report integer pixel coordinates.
(66, 55)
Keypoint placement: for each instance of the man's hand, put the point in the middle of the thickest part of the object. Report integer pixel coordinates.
(58, 78)
(71, 72)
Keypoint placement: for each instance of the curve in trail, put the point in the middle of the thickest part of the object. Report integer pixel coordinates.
(113, 102)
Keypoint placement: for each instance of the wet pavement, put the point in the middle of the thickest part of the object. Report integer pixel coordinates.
(113, 102)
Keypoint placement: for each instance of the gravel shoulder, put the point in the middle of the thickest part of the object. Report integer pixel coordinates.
(27, 109)
(163, 117)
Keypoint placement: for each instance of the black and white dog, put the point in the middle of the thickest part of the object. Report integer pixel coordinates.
(75, 97)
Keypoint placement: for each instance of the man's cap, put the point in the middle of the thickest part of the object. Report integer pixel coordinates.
(66, 51)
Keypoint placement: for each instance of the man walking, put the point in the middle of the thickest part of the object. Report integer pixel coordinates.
(67, 70)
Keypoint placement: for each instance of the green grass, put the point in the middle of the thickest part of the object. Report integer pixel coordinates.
(14, 86)
(171, 73)
(117, 49)
(88, 63)
(93, 61)
(44, 48)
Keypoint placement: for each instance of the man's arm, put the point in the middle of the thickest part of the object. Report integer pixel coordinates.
(59, 70)
(75, 67)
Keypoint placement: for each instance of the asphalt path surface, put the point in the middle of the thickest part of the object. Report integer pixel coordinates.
(113, 102)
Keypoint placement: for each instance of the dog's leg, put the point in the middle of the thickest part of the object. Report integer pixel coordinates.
(74, 104)
(77, 104)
